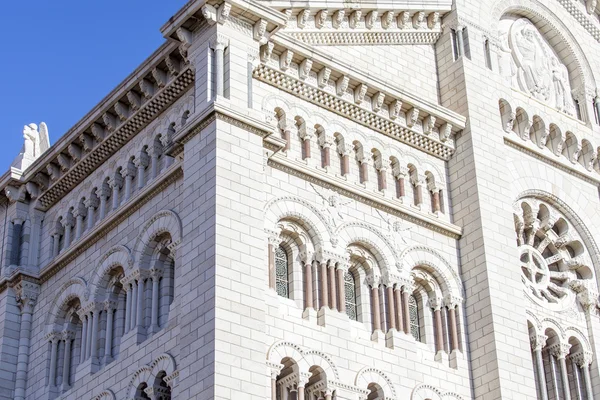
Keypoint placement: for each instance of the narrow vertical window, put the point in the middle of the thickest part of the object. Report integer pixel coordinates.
(455, 48)
(413, 310)
(350, 285)
(281, 272)
(578, 110)
(487, 53)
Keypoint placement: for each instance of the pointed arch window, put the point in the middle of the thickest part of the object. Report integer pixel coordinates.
(413, 310)
(282, 272)
(350, 291)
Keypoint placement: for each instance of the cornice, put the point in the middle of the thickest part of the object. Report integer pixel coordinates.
(523, 147)
(375, 200)
(380, 26)
(429, 5)
(63, 167)
(283, 42)
(137, 201)
(431, 143)
(349, 38)
(585, 20)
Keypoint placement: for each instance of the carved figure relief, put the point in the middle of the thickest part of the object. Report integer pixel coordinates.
(532, 66)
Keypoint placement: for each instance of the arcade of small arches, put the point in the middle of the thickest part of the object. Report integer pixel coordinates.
(297, 373)
(336, 150)
(364, 278)
(550, 137)
(128, 299)
(561, 361)
(108, 194)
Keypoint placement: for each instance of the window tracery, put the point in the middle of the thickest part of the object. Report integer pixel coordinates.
(281, 272)
(553, 259)
(351, 302)
(414, 315)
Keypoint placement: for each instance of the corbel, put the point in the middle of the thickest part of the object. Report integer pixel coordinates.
(321, 18)
(377, 101)
(122, 111)
(323, 77)
(303, 18)
(147, 88)
(404, 20)
(433, 20)
(419, 20)
(110, 121)
(428, 124)
(74, 151)
(304, 68)
(387, 20)
(98, 132)
(223, 12)
(87, 142)
(355, 18)
(160, 77)
(359, 93)
(445, 132)
(412, 116)
(371, 19)
(338, 18)
(172, 65)
(259, 30)
(395, 109)
(134, 99)
(64, 161)
(266, 50)
(210, 14)
(285, 60)
(341, 85)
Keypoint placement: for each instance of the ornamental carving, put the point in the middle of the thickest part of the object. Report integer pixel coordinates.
(554, 262)
(532, 66)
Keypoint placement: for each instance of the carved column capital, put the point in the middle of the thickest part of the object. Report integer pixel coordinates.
(27, 291)
(538, 342)
(559, 350)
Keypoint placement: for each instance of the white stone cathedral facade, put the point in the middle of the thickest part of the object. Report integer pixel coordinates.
(319, 200)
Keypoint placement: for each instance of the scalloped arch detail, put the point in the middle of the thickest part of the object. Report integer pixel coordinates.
(369, 375)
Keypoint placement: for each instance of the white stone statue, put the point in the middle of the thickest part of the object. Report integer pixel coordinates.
(533, 66)
(36, 142)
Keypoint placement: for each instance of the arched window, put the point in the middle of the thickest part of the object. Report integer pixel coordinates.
(413, 309)
(281, 273)
(351, 303)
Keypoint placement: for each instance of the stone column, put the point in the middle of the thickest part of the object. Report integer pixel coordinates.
(306, 134)
(375, 306)
(155, 275)
(453, 328)
(219, 43)
(26, 296)
(308, 285)
(127, 288)
(332, 287)
(436, 201)
(109, 307)
(154, 152)
(460, 51)
(341, 273)
(55, 244)
(597, 109)
(54, 339)
(91, 205)
(102, 193)
(274, 385)
(328, 394)
(364, 170)
(140, 304)
(537, 344)
(287, 134)
(560, 351)
(398, 301)
(418, 183)
(301, 386)
(94, 342)
(79, 213)
(84, 329)
(391, 306)
(345, 151)
(324, 288)
(436, 305)
(400, 174)
(583, 360)
(382, 171)
(68, 227)
(15, 251)
(141, 162)
(37, 218)
(133, 304)
(68, 337)
(90, 329)
(115, 184)
(326, 141)
(128, 173)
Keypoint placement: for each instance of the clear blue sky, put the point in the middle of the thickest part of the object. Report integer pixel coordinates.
(60, 58)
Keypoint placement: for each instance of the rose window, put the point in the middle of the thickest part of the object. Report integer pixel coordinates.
(553, 260)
